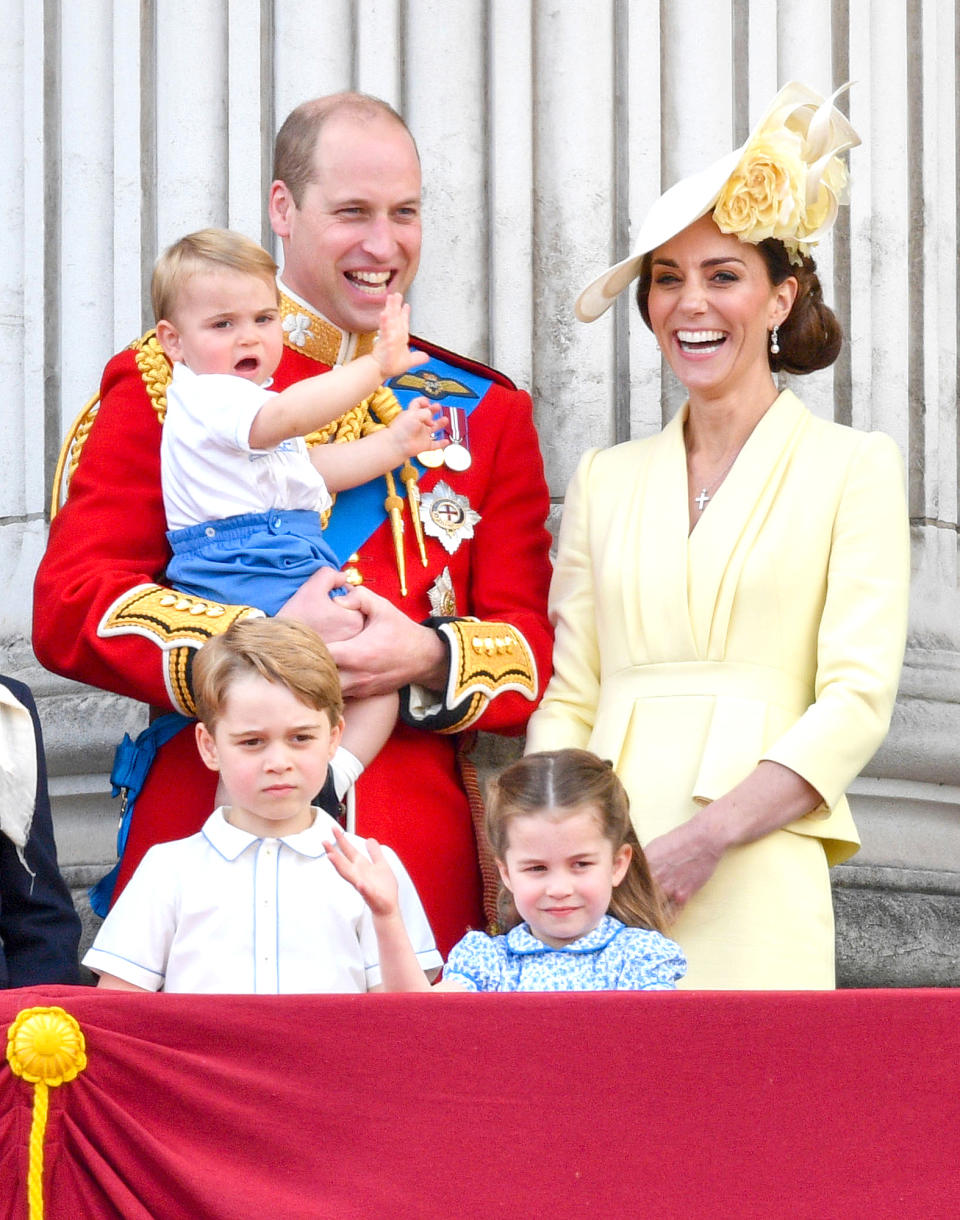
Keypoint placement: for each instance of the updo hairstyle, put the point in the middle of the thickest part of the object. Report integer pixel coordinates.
(811, 336)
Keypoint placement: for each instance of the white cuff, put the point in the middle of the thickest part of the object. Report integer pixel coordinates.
(346, 769)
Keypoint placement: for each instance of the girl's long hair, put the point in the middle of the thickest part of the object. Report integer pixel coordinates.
(558, 783)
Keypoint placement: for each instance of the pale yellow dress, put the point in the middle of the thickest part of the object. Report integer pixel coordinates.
(775, 630)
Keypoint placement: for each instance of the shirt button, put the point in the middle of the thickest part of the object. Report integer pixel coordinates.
(210, 531)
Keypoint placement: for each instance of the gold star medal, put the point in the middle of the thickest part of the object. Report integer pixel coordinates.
(447, 516)
(443, 599)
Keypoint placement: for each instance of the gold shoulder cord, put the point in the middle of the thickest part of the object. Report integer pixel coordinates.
(155, 372)
(373, 413)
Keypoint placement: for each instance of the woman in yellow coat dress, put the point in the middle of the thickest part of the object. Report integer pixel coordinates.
(730, 595)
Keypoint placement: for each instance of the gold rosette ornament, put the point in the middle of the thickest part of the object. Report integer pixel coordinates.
(790, 180)
(46, 1048)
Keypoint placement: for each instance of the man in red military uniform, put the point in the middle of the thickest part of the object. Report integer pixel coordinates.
(450, 569)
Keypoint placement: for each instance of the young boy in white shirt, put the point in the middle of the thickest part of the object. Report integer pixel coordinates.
(243, 493)
(252, 903)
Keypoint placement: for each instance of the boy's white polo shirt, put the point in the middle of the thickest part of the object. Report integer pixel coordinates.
(208, 470)
(224, 911)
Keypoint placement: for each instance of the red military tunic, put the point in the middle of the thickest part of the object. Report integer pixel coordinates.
(102, 615)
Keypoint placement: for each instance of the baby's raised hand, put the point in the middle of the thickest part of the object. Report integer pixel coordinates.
(413, 428)
(391, 350)
(373, 879)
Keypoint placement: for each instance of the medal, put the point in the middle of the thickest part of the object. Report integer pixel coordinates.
(447, 516)
(456, 456)
(443, 600)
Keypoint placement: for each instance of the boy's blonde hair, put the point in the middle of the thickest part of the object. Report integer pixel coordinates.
(202, 251)
(281, 650)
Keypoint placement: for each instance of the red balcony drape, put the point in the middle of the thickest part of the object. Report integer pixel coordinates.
(688, 1104)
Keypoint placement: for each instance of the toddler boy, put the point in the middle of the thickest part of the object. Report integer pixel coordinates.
(252, 903)
(243, 493)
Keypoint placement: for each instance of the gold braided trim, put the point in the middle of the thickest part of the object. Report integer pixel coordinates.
(45, 1048)
(487, 659)
(155, 370)
(367, 417)
(307, 332)
(70, 451)
(474, 710)
(179, 670)
(170, 618)
(178, 623)
(156, 373)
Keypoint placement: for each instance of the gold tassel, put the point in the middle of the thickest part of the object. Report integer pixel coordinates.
(409, 476)
(362, 422)
(394, 506)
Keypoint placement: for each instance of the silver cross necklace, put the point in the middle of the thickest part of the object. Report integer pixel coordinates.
(707, 493)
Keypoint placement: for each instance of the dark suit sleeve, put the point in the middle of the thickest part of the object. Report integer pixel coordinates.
(39, 928)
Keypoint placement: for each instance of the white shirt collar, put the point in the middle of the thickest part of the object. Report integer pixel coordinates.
(231, 842)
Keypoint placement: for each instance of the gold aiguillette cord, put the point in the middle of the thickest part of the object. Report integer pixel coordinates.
(409, 477)
(394, 506)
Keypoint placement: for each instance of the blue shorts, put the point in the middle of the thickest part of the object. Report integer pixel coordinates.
(257, 559)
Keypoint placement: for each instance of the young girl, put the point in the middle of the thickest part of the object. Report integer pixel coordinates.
(576, 896)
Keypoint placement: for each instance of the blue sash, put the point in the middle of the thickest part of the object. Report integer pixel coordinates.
(359, 512)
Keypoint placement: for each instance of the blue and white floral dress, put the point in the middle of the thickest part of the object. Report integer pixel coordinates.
(612, 957)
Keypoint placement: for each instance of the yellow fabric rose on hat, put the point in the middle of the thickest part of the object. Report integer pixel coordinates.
(765, 195)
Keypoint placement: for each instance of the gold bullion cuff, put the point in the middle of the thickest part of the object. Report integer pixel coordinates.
(486, 660)
(178, 623)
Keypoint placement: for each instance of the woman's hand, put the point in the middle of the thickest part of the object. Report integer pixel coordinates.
(682, 861)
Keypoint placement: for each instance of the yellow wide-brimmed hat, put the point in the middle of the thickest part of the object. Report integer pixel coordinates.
(786, 181)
